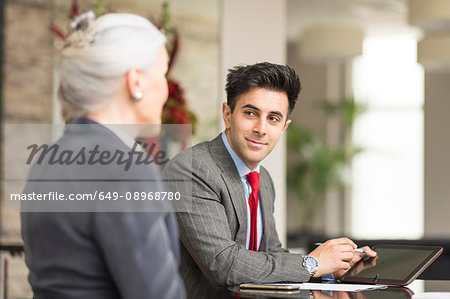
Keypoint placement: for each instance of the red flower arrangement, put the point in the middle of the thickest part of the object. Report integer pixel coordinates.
(176, 110)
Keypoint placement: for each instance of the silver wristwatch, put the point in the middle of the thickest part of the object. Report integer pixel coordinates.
(310, 264)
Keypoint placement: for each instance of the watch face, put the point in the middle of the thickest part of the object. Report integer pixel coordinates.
(310, 262)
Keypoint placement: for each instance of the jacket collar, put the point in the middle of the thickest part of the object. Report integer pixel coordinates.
(231, 177)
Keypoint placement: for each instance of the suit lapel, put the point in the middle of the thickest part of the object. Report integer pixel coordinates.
(233, 183)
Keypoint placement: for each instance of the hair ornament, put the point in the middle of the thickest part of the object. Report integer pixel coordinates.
(83, 21)
(81, 34)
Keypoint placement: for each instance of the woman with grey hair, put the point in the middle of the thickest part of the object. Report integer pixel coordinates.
(112, 71)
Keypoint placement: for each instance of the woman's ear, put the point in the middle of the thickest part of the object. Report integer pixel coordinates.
(133, 81)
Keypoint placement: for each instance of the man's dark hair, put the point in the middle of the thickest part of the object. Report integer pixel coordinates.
(275, 77)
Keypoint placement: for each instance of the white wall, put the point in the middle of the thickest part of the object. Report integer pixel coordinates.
(437, 154)
(255, 31)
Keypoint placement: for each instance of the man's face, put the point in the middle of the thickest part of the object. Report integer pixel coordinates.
(256, 124)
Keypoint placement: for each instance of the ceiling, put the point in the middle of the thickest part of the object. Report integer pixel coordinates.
(377, 17)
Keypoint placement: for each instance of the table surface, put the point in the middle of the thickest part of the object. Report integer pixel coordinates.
(416, 287)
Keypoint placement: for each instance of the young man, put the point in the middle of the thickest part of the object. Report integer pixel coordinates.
(227, 228)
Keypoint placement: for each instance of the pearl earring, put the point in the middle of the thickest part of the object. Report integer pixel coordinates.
(138, 96)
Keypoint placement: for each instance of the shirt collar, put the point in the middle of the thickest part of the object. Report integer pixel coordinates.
(240, 165)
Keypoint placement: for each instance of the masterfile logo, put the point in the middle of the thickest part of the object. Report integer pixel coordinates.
(140, 153)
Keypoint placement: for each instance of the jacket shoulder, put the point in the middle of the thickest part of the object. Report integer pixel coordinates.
(195, 159)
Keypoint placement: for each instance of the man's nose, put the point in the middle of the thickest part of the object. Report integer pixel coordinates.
(260, 126)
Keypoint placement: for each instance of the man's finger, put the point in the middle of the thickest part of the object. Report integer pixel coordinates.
(346, 248)
(347, 256)
(346, 241)
(369, 251)
(345, 265)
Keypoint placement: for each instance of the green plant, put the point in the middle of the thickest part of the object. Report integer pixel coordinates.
(347, 109)
(314, 166)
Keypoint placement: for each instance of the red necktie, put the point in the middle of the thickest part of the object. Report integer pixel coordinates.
(253, 180)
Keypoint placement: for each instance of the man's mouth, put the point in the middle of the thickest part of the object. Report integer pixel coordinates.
(255, 143)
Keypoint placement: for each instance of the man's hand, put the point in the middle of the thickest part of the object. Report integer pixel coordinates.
(369, 263)
(336, 256)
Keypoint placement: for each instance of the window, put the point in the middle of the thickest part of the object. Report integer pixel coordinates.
(387, 177)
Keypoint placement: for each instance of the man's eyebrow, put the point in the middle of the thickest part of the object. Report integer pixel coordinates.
(257, 109)
(251, 107)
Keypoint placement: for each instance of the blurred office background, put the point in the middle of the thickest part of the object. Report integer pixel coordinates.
(390, 57)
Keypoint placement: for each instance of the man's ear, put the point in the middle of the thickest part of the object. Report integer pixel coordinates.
(288, 122)
(226, 114)
(133, 81)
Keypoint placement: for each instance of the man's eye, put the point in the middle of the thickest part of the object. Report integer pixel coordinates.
(274, 119)
(249, 113)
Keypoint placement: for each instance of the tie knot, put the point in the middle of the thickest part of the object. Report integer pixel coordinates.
(253, 180)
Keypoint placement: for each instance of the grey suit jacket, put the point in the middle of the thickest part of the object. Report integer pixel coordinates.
(212, 220)
(101, 255)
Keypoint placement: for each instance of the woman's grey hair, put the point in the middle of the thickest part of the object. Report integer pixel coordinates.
(98, 53)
